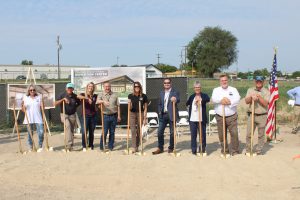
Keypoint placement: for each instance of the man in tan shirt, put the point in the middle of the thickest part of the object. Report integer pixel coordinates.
(111, 114)
(260, 96)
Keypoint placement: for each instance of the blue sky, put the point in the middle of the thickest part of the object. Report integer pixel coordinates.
(95, 32)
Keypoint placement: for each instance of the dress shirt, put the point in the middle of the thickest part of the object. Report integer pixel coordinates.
(232, 94)
(295, 94)
(167, 93)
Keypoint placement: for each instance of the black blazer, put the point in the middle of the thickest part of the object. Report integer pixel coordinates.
(205, 99)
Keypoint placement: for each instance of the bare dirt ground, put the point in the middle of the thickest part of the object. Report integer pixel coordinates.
(94, 175)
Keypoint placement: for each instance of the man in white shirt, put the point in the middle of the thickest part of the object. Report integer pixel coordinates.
(228, 97)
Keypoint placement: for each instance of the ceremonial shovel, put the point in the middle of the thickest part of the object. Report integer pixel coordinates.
(17, 128)
(84, 123)
(103, 138)
(201, 153)
(174, 132)
(141, 153)
(30, 131)
(224, 155)
(127, 151)
(252, 154)
(48, 148)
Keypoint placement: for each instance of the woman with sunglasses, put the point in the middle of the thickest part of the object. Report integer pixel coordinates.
(90, 114)
(33, 103)
(133, 101)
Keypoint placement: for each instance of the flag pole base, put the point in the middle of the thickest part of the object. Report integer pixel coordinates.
(276, 141)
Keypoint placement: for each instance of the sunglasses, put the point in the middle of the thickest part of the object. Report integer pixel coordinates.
(32, 90)
(166, 82)
(136, 86)
(70, 88)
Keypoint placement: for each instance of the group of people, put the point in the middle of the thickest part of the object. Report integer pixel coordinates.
(224, 98)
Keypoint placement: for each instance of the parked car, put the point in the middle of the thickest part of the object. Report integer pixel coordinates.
(43, 76)
(21, 77)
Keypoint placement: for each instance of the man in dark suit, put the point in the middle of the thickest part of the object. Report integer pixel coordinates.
(165, 112)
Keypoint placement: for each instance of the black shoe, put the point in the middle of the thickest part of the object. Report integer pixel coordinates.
(170, 150)
(234, 153)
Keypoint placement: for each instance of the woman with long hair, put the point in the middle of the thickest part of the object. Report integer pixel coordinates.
(32, 104)
(90, 99)
(133, 101)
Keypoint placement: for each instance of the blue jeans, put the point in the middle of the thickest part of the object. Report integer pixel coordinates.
(163, 121)
(40, 133)
(194, 128)
(90, 122)
(110, 123)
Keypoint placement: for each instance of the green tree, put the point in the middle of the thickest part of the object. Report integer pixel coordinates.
(27, 62)
(261, 72)
(212, 50)
(166, 68)
(296, 74)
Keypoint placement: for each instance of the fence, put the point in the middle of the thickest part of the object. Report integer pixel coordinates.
(154, 85)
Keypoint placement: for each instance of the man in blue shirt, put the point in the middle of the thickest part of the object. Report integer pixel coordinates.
(295, 94)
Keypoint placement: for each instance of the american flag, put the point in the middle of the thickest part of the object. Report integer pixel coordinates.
(274, 96)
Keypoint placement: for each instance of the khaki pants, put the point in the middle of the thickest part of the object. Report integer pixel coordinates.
(231, 125)
(259, 122)
(296, 117)
(135, 129)
(70, 125)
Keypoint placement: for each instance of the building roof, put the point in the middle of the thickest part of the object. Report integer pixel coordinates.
(146, 65)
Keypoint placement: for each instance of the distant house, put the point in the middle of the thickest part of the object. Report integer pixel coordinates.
(120, 84)
(151, 71)
(232, 75)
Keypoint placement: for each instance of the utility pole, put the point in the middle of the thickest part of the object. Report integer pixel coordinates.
(185, 54)
(118, 60)
(181, 62)
(158, 57)
(59, 47)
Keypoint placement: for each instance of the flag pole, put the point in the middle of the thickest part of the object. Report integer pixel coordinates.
(275, 141)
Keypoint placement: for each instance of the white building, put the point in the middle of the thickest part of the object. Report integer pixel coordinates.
(151, 71)
(40, 71)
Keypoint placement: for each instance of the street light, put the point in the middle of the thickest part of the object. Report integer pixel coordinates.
(59, 47)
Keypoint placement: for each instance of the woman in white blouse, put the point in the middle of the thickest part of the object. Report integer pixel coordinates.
(32, 102)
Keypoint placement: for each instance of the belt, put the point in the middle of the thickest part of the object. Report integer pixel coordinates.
(226, 116)
(111, 114)
(249, 113)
